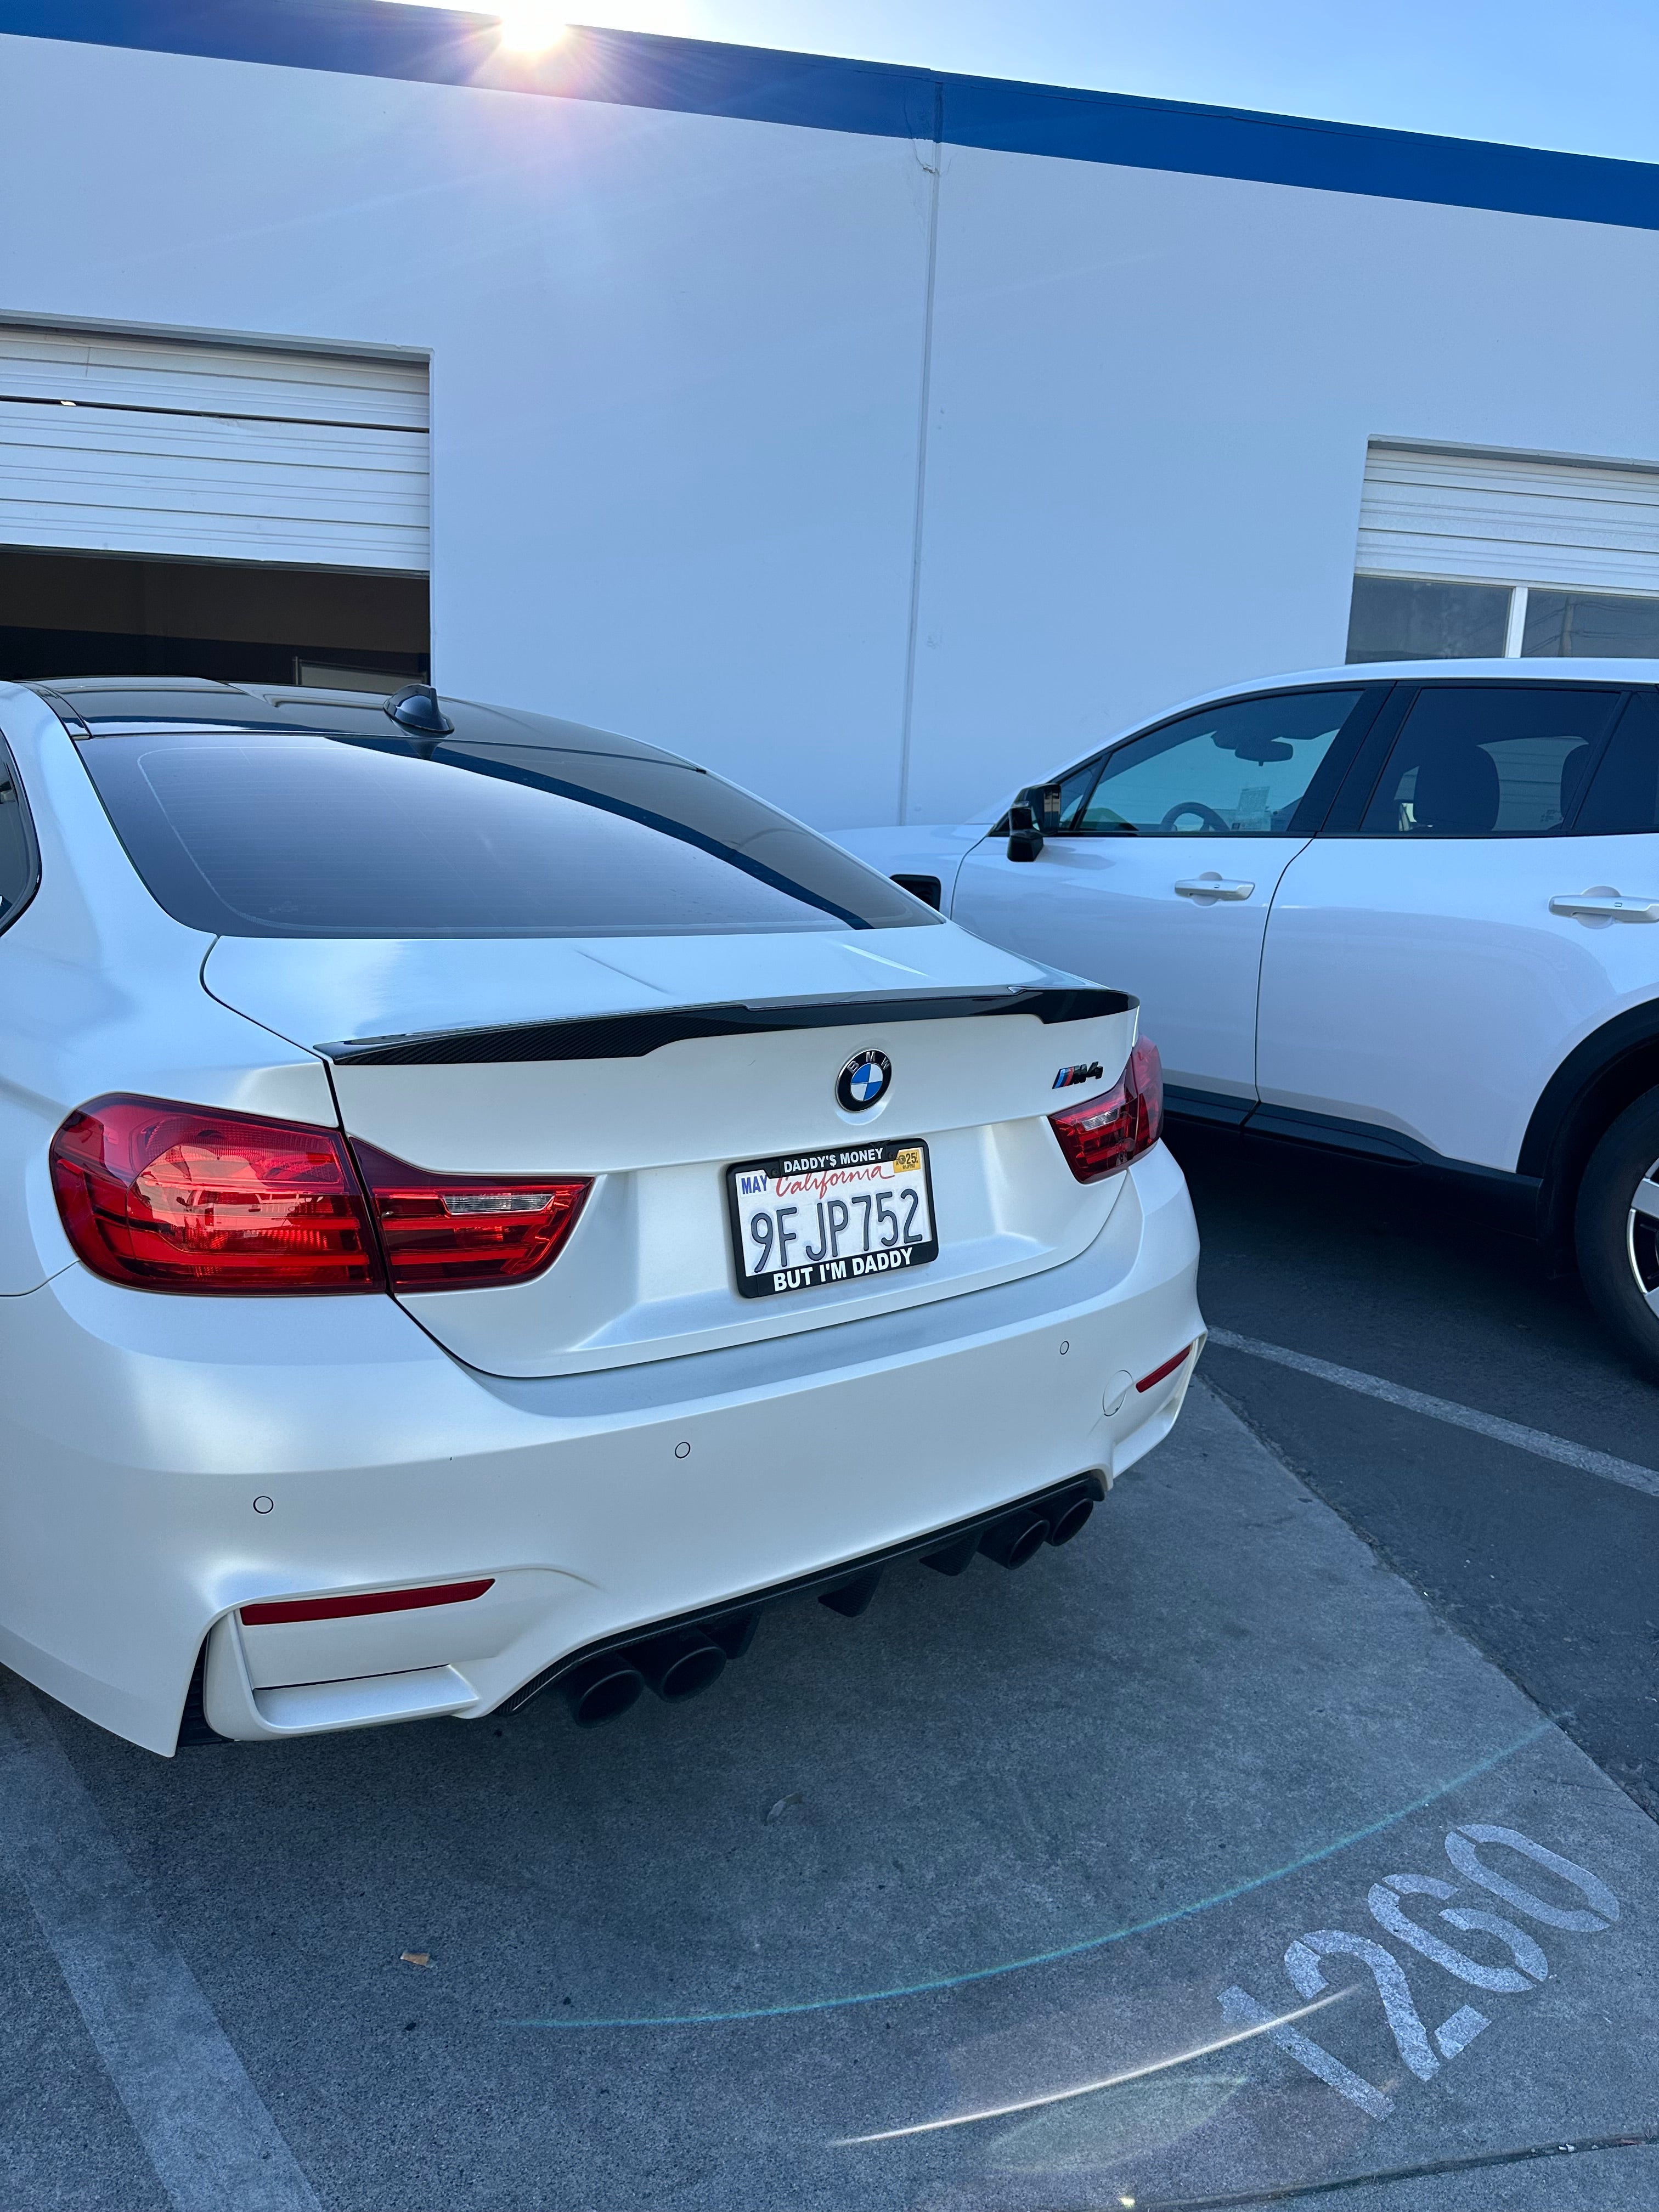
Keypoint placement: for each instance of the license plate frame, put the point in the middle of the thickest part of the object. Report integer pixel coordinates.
(843, 1174)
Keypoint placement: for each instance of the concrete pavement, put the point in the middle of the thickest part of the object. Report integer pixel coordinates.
(999, 1840)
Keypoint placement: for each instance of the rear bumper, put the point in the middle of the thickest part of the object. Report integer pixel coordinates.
(168, 1460)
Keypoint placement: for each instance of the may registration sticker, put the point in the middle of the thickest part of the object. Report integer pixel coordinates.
(859, 1213)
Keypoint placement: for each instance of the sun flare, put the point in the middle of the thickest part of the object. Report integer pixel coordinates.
(531, 28)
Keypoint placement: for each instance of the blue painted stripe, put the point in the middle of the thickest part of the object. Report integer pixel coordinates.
(372, 38)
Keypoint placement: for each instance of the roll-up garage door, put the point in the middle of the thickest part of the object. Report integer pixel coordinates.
(179, 451)
(1509, 519)
(1492, 554)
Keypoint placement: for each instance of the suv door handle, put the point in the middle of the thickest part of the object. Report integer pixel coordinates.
(1604, 906)
(1212, 887)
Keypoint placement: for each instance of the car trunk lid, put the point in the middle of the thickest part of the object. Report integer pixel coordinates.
(656, 1066)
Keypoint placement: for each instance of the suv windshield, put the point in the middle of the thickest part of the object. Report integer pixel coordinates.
(511, 827)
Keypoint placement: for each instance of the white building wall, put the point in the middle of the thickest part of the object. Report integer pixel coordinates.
(676, 366)
(676, 379)
(1150, 399)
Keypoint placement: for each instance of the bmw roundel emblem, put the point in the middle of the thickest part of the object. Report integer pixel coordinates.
(863, 1082)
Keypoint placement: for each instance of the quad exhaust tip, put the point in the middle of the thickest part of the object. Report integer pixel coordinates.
(680, 1663)
(1070, 1515)
(676, 1665)
(603, 1689)
(1014, 1538)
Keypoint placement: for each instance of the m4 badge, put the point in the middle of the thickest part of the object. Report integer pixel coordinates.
(1088, 1071)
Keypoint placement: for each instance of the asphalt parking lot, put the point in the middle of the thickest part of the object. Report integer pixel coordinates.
(997, 1897)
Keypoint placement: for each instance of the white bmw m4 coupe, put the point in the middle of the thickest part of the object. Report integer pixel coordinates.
(486, 1206)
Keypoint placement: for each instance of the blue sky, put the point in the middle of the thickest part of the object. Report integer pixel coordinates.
(1585, 78)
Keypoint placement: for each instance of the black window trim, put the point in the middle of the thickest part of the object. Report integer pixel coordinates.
(1360, 785)
(9, 768)
(1566, 828)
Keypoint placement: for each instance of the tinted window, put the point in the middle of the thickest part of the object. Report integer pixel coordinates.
(274, 831)
(1591, 625)
(1624, 791)
(1237, 770)
(1474, 761)
(1394, 618)
(17, 870)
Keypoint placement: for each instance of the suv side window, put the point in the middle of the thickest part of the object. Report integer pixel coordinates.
(1624, 791)
(1490, 761)
(19, 870)
(1241, 769)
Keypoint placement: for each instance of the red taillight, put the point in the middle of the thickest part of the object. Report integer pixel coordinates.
(446, 1232)
(348, 1608)
(1104, 1134)
(182, 1198)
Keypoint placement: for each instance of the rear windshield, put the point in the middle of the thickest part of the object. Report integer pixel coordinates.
(277, 831)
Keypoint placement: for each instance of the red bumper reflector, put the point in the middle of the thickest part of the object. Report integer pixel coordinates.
(1158, 1373)
(342, 1608)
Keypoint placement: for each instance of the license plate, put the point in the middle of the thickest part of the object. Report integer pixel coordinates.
(857, 1213)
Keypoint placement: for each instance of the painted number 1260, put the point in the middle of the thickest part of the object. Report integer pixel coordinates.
(1397, 1907)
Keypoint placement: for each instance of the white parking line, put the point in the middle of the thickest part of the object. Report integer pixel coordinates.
(1541, 1444)
(208, 2136)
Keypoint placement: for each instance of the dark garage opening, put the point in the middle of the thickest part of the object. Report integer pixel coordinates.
(78, 614)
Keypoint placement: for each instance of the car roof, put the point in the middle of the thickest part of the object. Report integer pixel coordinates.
(1533, 671)
(1395, 671)
(110, 705)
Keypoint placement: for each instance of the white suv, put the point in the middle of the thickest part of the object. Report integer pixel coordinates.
(1399, 910)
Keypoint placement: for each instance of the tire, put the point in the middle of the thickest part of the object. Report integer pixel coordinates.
(1618, 1247)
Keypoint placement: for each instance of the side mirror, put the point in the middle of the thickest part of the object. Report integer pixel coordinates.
(1025, 838)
